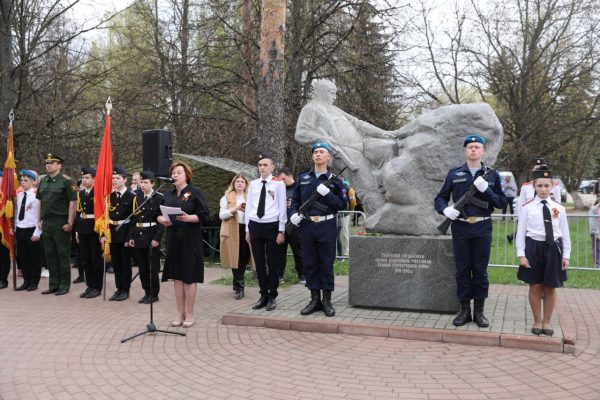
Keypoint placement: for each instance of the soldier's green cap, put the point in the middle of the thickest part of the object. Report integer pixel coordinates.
(51, 157)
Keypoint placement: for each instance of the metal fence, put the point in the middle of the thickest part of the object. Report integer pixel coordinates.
(504, 252)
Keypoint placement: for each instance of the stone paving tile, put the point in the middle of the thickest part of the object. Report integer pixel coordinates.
(67, 348)
(508, 314)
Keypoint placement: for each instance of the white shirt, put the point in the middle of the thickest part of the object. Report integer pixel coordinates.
(531, 224)
(275, 202)
(31, 210)
(225, 213)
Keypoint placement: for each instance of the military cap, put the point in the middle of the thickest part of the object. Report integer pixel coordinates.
(28, 173)
(118, 170)
(322, 145)
(147, 175)
(51, 157)
(540, 161)
(265, 154)
(473, 139)
(88, 171)
(543, 171)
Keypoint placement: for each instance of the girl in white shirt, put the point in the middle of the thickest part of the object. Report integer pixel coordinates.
(543, 248)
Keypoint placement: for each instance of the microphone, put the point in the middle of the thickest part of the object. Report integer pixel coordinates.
(165, 179)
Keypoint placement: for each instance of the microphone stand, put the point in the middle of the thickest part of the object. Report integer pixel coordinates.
(150, 327)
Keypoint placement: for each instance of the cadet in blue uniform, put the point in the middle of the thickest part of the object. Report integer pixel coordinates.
(121, 205)
(318, 229)
(472, 236)
(90, 251)
(543, 248)
(146, 235)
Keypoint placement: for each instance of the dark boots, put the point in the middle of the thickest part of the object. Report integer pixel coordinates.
(464, 315)
(327, 307)
(315, 303)
(478, 316)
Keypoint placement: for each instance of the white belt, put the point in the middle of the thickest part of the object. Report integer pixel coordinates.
(145, 224)
(86, 216)
(473, 220)
(321, 218)
(113, 222)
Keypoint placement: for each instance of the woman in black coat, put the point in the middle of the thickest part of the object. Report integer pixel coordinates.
(185, 258)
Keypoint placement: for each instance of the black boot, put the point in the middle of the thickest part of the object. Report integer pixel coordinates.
(464, 315)
(261, 303)
(327, 307)
(478, 316)
(315, 303)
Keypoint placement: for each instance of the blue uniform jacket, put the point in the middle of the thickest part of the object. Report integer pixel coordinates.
(457, 183)
(307, 183)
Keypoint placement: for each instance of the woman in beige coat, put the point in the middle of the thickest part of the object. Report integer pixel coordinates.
(235, 251)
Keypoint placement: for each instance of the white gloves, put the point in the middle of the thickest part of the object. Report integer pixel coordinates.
(296, 219)
(323, 190)
(451, 213)
(481, 184)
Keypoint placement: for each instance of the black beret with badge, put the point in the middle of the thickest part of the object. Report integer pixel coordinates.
(543, 171)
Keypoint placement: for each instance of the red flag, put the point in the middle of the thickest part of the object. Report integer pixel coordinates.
(103, 183)
(8, 193)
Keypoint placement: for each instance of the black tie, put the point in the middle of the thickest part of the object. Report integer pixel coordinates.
(261, 200)
(118, 195)
(547, 223)
(22, 210)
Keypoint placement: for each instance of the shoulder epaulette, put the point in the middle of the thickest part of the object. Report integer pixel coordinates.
(527, 202)
(277, 179)
(527, 183)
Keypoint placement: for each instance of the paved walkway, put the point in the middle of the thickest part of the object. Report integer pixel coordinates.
(67, 348)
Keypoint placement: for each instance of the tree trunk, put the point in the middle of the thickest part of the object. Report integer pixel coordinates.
(271, 133)
(577, 200)
(6, 60)
(247, 89)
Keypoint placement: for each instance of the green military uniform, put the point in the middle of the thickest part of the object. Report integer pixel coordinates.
(55, 194)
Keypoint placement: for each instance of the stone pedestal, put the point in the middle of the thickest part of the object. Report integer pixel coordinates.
(403, 272)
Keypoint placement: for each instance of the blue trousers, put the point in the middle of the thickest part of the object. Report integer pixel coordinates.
(472, 244)
(318, 253)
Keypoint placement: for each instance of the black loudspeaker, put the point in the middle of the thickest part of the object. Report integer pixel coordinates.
(157, 147)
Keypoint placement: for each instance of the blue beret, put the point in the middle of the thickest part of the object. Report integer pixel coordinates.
(28, 173)
(322, 145)
(473, 139)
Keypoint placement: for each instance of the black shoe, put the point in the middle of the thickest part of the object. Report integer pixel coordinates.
(478, 315)
(143, 299)
(548, 331)
(510, 237)
(79, 279)
(315, 303)
(24, 286)
(536, 331)
(114, 296)
(50, 291)
(84, 294)
(260, 303)
(151, 299)
(464, 315)
(3, 284)
(239, 295)
(93, 293)
(60, 292)
(271, 304)
(31, 288)
(122, 296)
(328, 309)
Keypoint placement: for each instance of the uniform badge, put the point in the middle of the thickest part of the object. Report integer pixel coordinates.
(555, 212)
(186, 196)
(461, 173)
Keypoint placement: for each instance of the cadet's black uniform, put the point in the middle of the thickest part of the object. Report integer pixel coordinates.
(146, 230)
(90, 250)
(121, 205)
(293, 240)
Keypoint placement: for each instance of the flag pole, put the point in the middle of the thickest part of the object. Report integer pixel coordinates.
(106, 206)
(11, 117)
